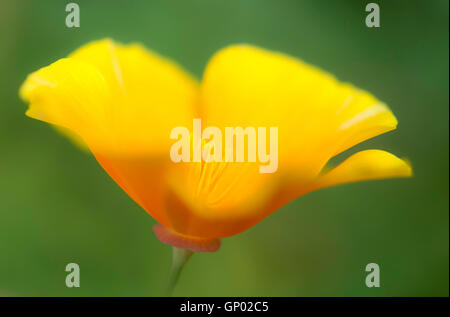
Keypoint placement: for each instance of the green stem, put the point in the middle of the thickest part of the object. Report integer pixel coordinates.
(179, 259)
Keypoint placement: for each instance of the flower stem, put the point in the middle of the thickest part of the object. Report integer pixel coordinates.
(179, 259)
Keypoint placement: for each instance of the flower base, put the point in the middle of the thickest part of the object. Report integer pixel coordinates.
(178, 240)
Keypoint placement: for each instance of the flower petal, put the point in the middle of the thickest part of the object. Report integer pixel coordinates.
(365, 165)
(317, 116)
(71, 94)
(122, 101)
(136, 96)
(146, 79)
(214, 200)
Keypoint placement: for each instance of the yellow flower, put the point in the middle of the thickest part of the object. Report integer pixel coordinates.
(123, 102)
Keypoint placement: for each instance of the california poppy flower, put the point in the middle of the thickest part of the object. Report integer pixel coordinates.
(122, 101)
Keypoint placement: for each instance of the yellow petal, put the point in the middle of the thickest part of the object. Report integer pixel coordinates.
(123, 101)
(136, 95)
(71, 94)
(147, 79)
(365, 165)
(317, 116)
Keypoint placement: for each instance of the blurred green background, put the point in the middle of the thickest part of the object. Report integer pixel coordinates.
(58, 206)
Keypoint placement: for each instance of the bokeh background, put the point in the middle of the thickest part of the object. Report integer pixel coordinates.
(58, 206)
